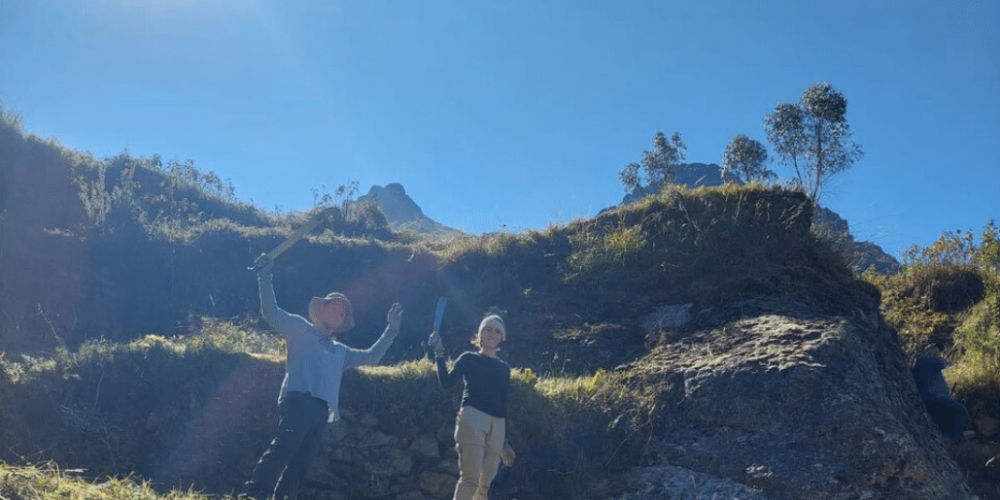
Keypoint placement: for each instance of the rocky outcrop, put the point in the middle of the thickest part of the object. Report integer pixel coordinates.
(791, 404)
(864, 254)
(687, 174)
(833, 227)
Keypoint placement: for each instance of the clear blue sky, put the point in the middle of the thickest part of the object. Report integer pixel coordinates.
(516, 114)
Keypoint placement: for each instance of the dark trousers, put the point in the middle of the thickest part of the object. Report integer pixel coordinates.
(950, 415)
(281, 468)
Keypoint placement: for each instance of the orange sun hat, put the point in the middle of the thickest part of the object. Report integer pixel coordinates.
(321, 314)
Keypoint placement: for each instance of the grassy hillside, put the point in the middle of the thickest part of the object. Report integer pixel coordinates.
(129, 332)
(154, 408)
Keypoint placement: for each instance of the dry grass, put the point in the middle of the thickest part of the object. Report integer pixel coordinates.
(949, 292)
(48, 482)
(546, 411)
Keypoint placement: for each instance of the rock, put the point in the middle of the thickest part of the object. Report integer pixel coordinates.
(446, 434)
(385, 461)
(322, 479)
(425, 446)
(437, 484)
(670, 316)
(337, 432)
(376, 439)
(987, 426)
(796, 406)
(411, 495)
(450, 465)
(864, 254)
(663, 482)
(321, 494)
(368, 420)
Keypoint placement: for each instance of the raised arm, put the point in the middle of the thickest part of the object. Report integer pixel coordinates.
(374, 354)
(445, 378)
(277, 317)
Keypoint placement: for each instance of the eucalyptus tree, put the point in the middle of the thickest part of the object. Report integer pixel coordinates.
(659, 165)
(813, 136)
(745, 160)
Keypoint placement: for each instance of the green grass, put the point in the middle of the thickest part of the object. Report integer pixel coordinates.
(548, 412)
(49, 482)
(92, 407)
(978, 338)
(949, 292)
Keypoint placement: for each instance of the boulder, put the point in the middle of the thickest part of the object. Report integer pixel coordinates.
(795, 405)
(437, 484)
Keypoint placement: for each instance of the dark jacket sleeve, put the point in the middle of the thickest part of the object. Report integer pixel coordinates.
(449, 378)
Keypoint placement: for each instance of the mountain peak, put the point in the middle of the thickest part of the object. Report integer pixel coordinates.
(402, 213)
(395, 188)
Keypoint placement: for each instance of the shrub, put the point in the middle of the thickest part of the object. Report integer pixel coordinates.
(597, 253)
(950, 291)
(978, 338)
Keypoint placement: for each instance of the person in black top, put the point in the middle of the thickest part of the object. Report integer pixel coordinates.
(481, 428)
(950, 415)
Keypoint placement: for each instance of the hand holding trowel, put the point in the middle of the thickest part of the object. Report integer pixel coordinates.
(435, 339)
(296, 235)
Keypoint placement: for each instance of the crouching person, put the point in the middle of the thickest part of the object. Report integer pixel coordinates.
(950, 415)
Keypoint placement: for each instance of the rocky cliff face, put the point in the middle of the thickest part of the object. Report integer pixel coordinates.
(864, 254)
(787, 404)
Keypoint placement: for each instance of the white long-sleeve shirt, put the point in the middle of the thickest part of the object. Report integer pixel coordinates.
(315, 362)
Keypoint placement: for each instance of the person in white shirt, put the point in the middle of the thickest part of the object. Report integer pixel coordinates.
(310, 392)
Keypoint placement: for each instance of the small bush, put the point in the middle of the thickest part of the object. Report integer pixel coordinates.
(597, 254)
(978, 338)
(950, 292)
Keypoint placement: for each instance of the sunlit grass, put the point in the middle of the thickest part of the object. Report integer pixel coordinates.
(49, 482)
(950, 292)
(978, 371)
(543, 409)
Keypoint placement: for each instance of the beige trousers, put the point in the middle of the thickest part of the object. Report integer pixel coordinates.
(479, 438)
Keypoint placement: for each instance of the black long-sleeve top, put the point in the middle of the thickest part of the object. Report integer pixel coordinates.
(487, 381)
(930, 381)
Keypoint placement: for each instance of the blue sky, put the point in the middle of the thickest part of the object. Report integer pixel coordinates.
(516, 114)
